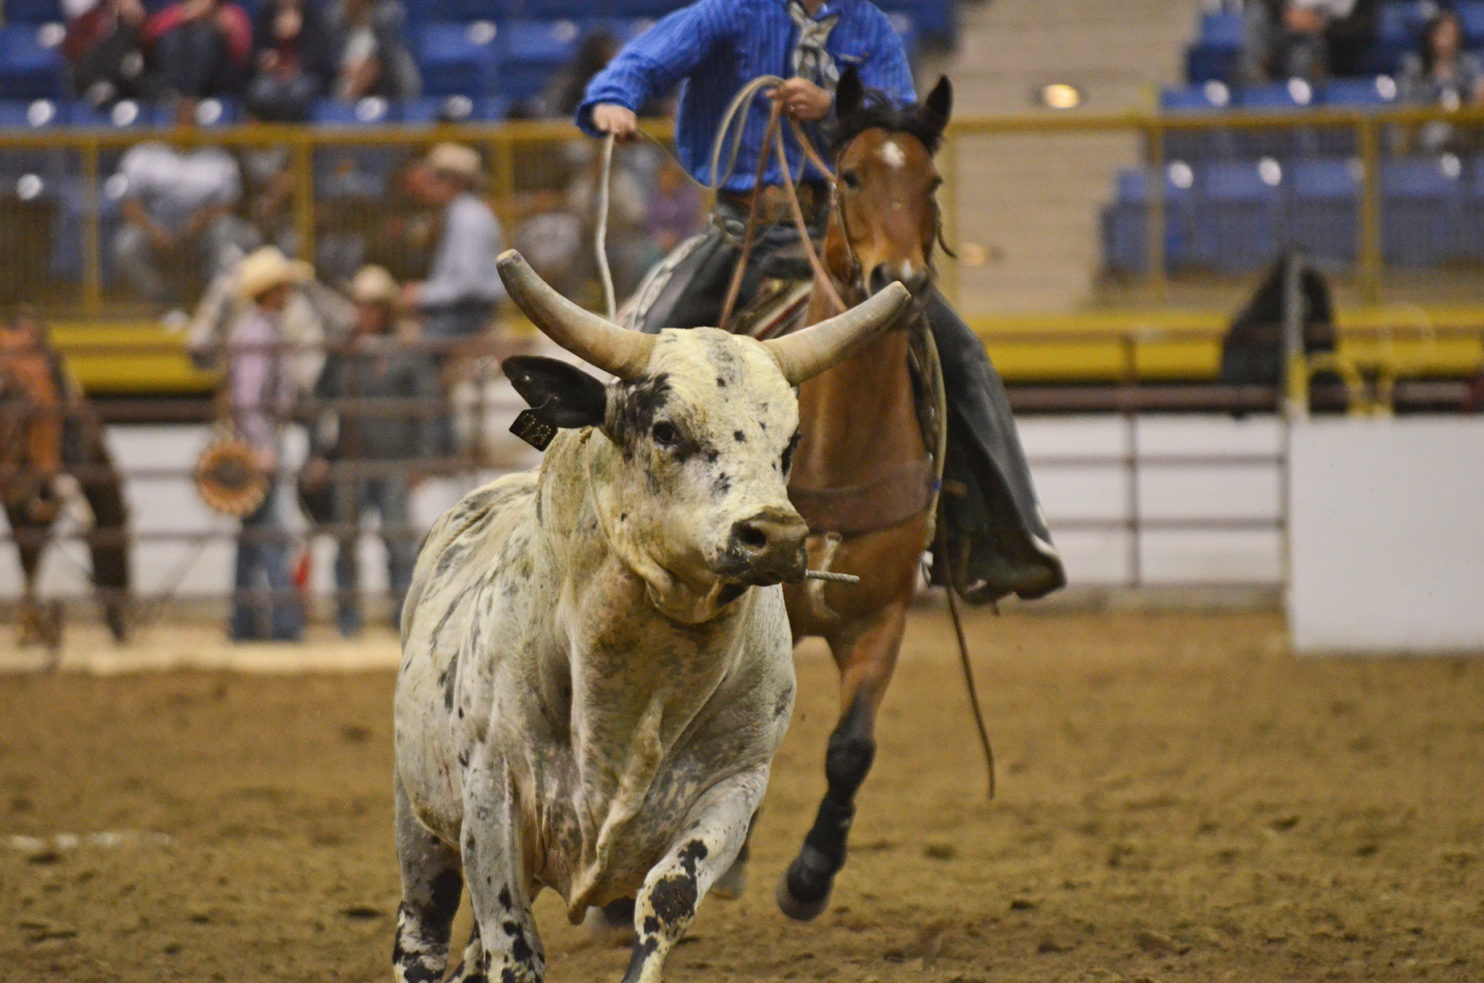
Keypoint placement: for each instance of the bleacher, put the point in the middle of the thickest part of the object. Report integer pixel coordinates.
(1236, 196)
(491, 52)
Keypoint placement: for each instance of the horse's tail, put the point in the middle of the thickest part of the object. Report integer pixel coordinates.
(103, 487)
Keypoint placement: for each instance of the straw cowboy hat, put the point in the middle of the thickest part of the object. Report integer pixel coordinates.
(263, 269)
(456, 160)
(373, 285)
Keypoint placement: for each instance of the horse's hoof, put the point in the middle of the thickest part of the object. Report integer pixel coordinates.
(729, 886)
(799, 910)
(613, 924)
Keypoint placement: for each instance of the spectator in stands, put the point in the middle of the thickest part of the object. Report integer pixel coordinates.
(262, 392)
(200, 48)
(104, 48)
(293, 59)
(458, 299)
(1307, 39)
(179, 229)
(368, 447)
(370, 57)
(1441, 72)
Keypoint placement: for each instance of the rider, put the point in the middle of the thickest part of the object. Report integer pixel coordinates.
(716, 47)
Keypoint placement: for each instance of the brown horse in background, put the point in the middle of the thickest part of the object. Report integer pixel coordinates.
(47, 428)
(862, 476)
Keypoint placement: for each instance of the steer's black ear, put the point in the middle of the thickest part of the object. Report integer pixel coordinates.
(560, 396)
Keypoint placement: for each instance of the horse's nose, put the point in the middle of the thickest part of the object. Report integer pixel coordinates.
(771, 544)
(914, 279)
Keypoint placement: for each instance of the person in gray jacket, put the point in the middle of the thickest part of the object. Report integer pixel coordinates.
(381, 401)
(458, 299)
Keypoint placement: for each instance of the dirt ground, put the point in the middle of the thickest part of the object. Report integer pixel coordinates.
(1179, 800)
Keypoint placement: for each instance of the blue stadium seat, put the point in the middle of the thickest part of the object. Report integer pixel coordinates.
(1294, 95)
(30, 65)
(531, 50)
(1471, 226)
(1323, 210)
(123, 115)
(1209, 98)
(363, 112)
(1221, 29)
(458, 59)
(428, 110)
(1471, 13)
(1125, 224)
(1421, 210)
(45, 166)
(33, 11)
(1239, 215)
(1204, 63)
(1361, 93)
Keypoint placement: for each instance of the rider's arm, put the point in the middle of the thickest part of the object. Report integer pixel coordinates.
(658, 58)
(886, 69)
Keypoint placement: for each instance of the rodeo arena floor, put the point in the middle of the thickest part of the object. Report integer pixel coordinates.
(1180, 799)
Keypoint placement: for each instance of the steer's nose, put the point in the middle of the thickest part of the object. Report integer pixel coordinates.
(771, 544)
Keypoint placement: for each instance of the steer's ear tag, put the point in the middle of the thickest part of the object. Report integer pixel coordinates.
(533, 429)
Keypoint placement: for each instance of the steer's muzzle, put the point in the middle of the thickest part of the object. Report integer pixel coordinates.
(768, 548)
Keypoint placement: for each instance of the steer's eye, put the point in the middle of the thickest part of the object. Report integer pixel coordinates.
(665, 434)
(852, 180)
(788, 454)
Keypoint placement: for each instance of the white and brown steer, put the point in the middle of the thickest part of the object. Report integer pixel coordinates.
(597, 666)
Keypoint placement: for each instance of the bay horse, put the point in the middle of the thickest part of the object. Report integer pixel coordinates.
(46, 428)
(862, 474)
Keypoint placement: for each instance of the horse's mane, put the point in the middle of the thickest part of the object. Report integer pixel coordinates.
(878, 111)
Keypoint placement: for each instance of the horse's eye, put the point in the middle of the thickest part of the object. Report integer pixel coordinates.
(665, 434)
(852, 180)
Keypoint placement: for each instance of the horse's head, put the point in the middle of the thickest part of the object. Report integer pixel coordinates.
(886, 211)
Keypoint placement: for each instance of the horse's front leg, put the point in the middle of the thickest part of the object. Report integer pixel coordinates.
(866, 664)
(715, 831)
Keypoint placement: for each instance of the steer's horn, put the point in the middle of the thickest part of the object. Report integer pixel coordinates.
(593, 339)
(804, 355)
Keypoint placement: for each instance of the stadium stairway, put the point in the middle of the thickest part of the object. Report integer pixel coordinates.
(1032, 202)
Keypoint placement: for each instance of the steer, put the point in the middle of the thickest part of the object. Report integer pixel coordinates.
(597, 666)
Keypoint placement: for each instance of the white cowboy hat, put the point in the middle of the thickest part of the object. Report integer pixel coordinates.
(457, 160)
(263, 269)
(373, 285)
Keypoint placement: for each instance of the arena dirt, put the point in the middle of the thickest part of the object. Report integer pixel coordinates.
(1180, 800)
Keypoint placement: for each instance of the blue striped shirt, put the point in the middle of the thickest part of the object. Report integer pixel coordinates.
(717, 47)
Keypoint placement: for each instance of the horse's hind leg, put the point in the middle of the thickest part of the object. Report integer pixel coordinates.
(866, 666)
(432, 884)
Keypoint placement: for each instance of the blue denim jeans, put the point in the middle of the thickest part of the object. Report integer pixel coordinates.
(389, 496)
(265, 605)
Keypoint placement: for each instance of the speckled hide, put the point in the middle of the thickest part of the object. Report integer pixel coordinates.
(593, 685)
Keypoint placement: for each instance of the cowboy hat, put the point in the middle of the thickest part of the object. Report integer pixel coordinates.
(456, 160)
(373, 285)
(263, 269)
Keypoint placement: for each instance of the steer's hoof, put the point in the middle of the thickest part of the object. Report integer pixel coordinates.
(796, 908)
(729, 886)
(613, 924)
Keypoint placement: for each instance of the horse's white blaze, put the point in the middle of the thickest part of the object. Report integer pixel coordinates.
(891, 153)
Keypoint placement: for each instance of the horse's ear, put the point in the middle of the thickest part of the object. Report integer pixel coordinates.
(938, 106)
(849, 93)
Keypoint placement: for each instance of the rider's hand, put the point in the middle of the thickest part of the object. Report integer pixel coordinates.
(610, 117)
(803, 100)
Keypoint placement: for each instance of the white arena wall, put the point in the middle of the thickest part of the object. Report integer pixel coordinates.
(1085, 481)
(1387, 535)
